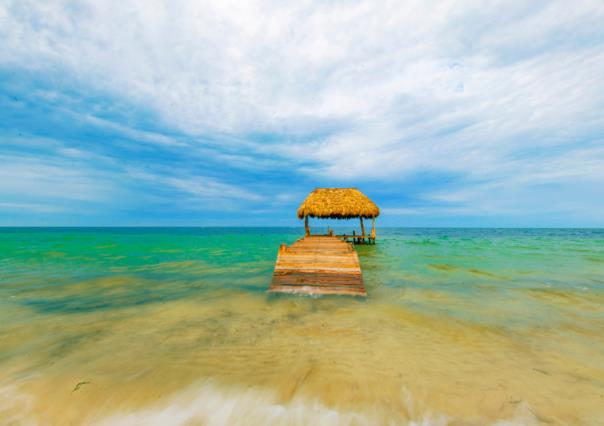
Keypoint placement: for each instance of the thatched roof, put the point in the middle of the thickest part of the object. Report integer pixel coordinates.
(338, 203)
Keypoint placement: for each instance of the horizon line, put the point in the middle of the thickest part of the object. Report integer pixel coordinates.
(292, 226)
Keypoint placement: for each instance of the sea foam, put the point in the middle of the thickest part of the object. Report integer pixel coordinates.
(212, 405)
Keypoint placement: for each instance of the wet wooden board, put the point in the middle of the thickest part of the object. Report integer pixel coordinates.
(318, 265)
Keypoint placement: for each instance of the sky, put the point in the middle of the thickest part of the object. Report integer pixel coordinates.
(225, 113)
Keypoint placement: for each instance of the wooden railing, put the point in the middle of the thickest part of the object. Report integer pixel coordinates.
(354, 237)
(358, 238)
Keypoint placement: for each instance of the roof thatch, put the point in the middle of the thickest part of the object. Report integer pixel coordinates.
(338, 203)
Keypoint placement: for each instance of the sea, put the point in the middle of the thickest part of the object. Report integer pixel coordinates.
(174, 326)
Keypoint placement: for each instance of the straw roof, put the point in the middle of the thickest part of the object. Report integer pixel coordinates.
(338, 203)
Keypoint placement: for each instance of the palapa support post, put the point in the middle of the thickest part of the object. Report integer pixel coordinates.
(306, 227)
(362, 229)
(373, 229)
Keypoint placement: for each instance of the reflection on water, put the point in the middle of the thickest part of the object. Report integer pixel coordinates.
(173, 326)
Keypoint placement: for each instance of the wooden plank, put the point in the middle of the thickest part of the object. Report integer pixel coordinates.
(318, 264)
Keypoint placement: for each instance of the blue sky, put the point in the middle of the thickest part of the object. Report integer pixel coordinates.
(146, 112)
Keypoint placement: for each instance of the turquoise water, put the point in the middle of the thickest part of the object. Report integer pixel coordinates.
(471, 326)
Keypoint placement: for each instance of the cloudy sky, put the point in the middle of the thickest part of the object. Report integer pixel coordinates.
(148, 112)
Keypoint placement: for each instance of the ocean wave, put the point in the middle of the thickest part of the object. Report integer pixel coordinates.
(211, 405)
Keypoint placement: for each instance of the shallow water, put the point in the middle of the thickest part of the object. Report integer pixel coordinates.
(173, 326)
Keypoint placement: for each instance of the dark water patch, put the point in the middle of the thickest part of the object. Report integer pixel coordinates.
(55, 254)
(65, 345)
(577, 298)
(442, 267)
(486, 274)
(76, 305)
(524, 272)
(422, 243)
(106, 246)
(106, 293)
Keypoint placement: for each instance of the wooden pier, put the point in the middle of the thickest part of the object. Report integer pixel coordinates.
(318, 264)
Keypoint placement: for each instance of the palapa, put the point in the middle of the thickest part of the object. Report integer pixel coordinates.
(339, 203)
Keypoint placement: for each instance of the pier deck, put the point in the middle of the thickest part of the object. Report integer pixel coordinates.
(318, 264)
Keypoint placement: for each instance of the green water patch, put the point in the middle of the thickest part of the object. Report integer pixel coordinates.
(106, 269)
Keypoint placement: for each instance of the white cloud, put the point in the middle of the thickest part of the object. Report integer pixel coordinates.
(64, 179)
(138, 135)
(31, 207)
(262, 65)
(52, 179)
(197, 191)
